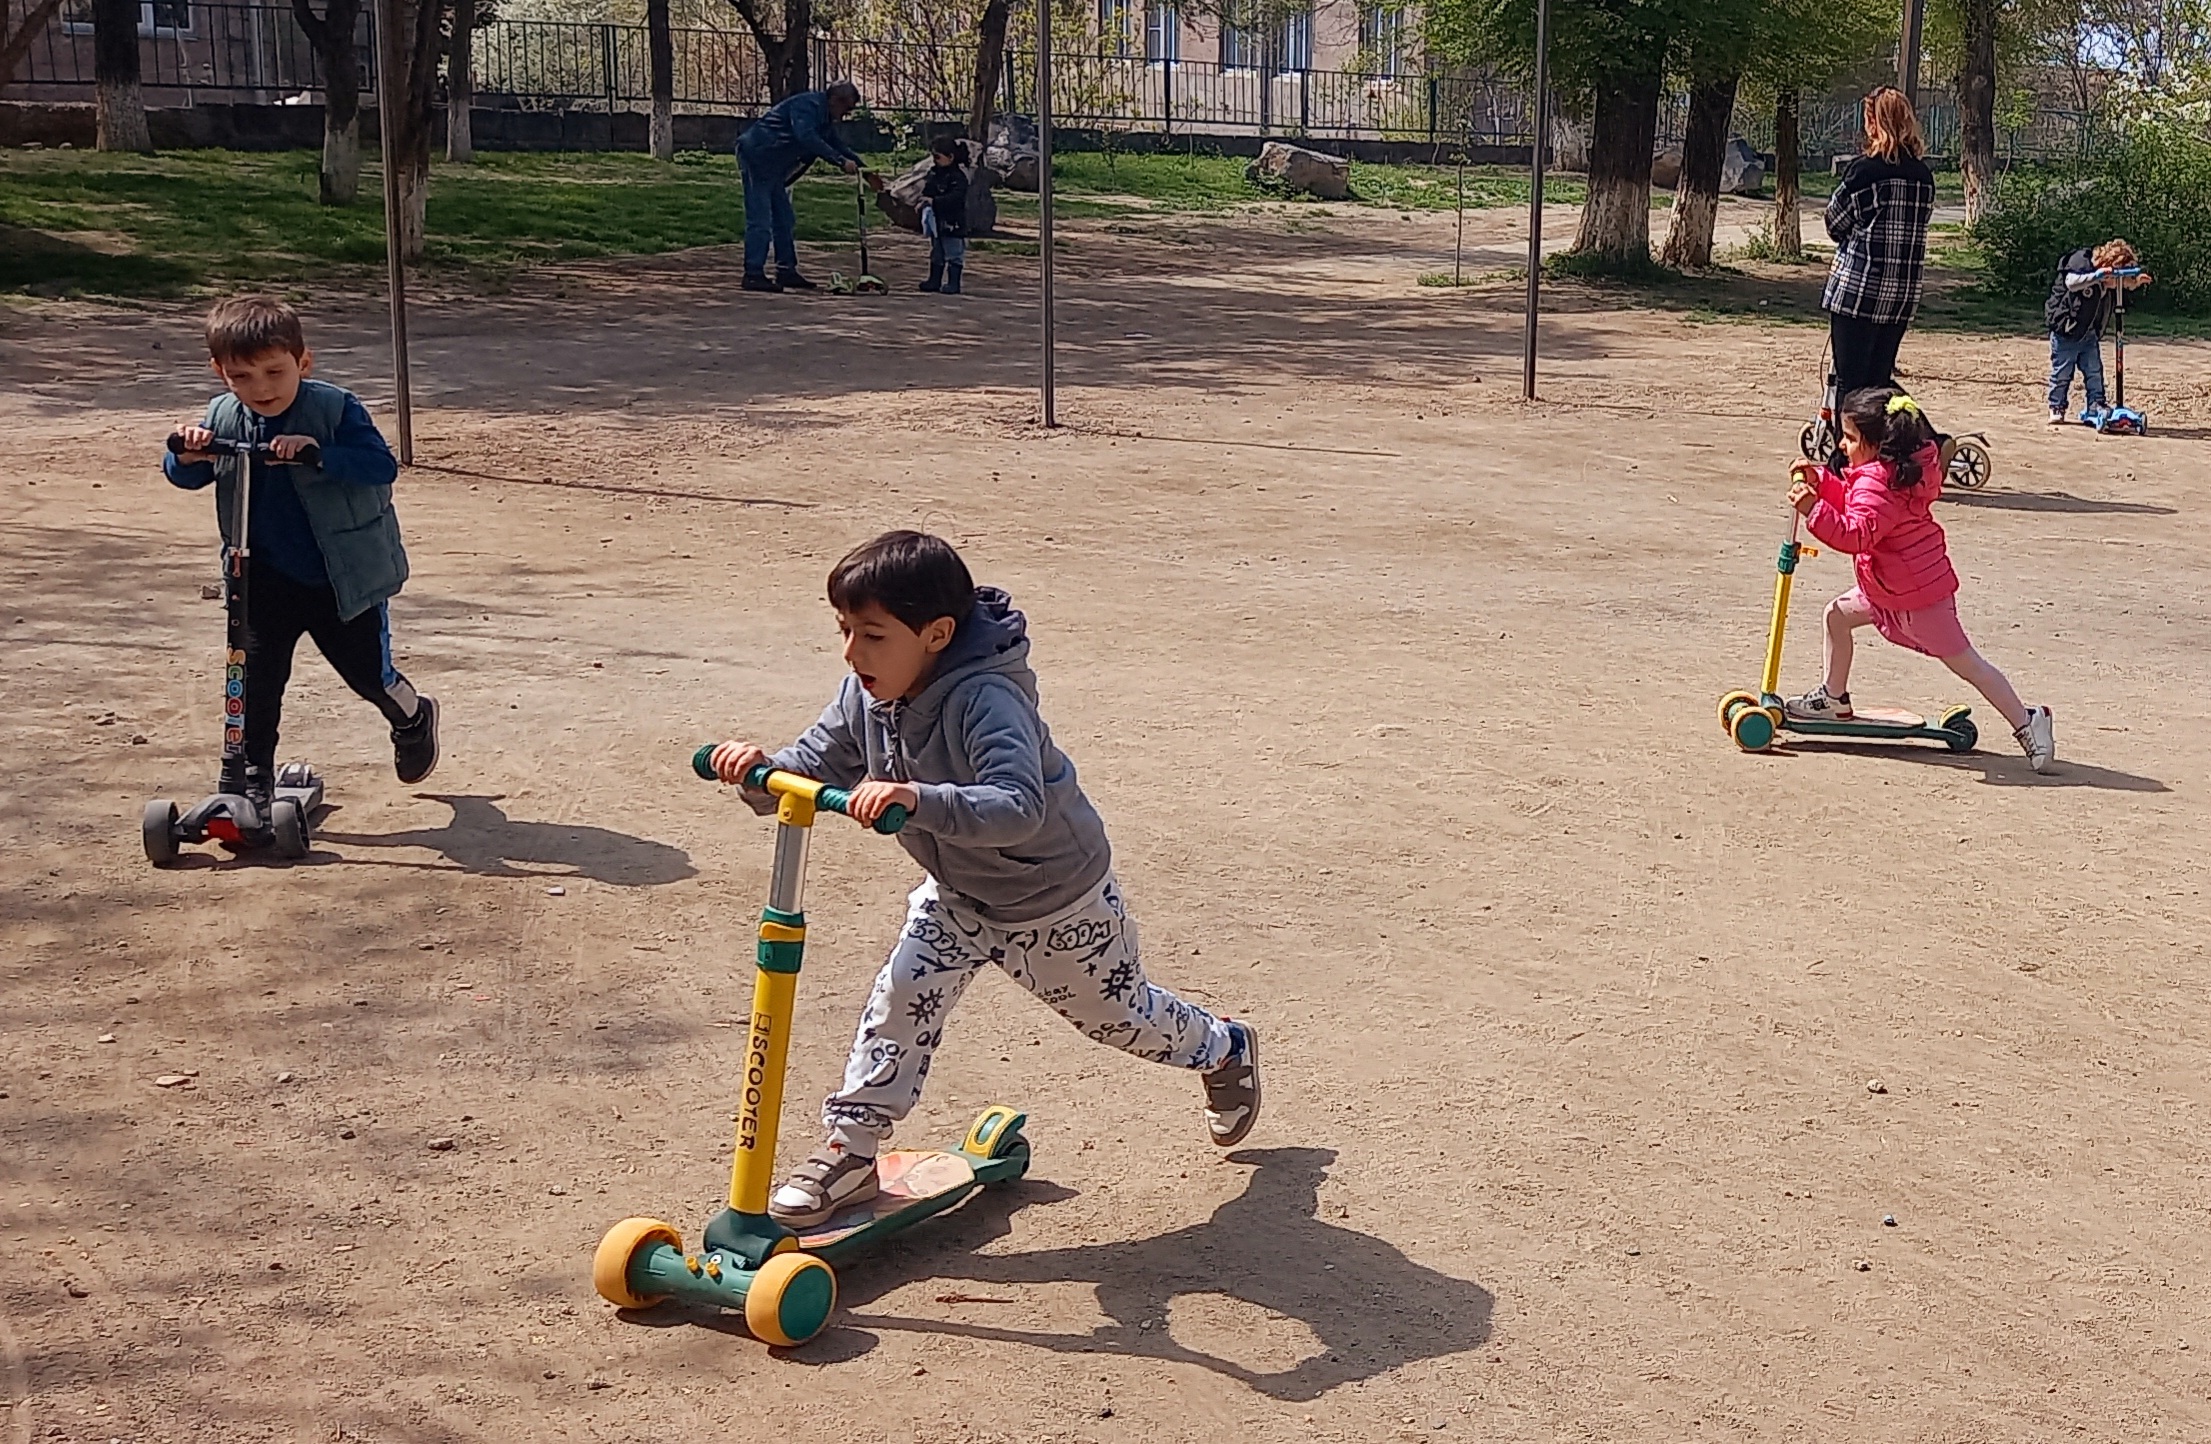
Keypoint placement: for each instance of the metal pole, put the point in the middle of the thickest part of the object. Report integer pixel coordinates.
(1458, 246)
(1907, 55)
(1535, 193)
(1044, 192)
(387, 112)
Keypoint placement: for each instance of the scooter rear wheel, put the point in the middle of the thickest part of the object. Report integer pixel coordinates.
(158, 829)
(289, 827)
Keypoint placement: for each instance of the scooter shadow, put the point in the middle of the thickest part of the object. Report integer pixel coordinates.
(1995, 770)
(482, 839)
(1368, 1308)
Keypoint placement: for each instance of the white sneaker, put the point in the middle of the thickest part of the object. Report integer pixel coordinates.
(2038, 739)
(2057, 418)
(1818, 705)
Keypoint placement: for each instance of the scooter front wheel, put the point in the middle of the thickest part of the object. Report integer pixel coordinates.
(1753, 729)
(1728, 706)
(790, 1299)
(610, 1266)
(158, 830)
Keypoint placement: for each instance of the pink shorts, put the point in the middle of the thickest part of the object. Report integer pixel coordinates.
(1932, 630)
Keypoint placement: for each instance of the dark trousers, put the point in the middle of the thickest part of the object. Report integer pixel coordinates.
(279, 611)
(1865, 352)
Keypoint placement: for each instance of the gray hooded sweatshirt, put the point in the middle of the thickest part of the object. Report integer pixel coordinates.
(1003, 827)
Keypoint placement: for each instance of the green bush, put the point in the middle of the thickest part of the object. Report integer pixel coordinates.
(2153, 187)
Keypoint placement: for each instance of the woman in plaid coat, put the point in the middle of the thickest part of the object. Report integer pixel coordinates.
(1878, 219)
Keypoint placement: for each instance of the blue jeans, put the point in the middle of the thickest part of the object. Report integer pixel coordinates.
(2084, 354)
(767, 213)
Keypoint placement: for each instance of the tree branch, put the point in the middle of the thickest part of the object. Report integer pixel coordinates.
(311, 25)
(18, 45)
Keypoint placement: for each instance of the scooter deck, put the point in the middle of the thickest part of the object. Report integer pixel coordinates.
(1879, 719)
(911, 1186)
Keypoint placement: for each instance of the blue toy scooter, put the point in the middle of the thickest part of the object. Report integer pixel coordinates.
(2119, 419)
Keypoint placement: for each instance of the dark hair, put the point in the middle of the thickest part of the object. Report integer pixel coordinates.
(952, 146)
(1899, 434)
(843, 89)
(915, 577)
(244, 327)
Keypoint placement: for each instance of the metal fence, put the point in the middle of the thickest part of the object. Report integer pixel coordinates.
(194, 53)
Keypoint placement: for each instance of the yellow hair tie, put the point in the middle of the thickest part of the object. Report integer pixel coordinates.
(1902, 402)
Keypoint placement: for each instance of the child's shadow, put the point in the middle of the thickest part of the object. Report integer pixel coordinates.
(483, 839)
(1369, 1308)
(1996, 769)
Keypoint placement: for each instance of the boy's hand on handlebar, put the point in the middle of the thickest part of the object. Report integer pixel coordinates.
(873, 798)
(1803, 496)
(195, 439)
(732, 760)
(288, 447)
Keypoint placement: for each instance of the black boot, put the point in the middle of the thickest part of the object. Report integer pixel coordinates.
(415, 745)
(791, 280)
(952, 278)
(754, 281)
(936, 275)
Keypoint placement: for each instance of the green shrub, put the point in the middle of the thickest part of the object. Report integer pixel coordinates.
(2153, 187)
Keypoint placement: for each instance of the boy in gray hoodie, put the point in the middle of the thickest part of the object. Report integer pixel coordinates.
(940, 717)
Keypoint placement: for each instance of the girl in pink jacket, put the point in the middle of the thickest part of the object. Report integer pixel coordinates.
(1881, 511)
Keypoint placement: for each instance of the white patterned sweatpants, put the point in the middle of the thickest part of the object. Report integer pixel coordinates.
(1082, 962)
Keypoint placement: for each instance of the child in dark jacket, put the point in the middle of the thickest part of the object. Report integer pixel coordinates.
(2079, 307)
(325, 554)
(944, 215)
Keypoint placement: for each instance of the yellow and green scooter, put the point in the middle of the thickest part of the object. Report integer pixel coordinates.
(1754, 719)
(784, 1281)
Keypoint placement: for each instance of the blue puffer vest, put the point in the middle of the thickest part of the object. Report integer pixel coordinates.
(355, 526)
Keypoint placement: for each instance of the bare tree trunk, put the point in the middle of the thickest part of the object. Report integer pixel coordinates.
(1788, 165)
(1688, 242)
(990, 64)
(1977, 106)
(331, 33)
(1616, 221)
(460, 84)
(17, 43)
(416, 25)
(785, 54)
(660, 47)
(120, 110)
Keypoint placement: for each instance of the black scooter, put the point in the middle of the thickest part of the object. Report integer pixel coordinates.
(232, 817)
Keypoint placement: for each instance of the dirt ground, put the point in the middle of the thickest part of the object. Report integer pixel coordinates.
(1597, 1051)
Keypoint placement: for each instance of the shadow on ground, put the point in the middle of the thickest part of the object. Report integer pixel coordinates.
(482, 839)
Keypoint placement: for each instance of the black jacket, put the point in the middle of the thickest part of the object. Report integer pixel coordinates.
(946, 191)
(2074, 314)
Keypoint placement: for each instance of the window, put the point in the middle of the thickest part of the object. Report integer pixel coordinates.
(1382, 38)
(1295, 43)
(155, 17)
(1113, 29)
(1162, 33)
(1239, 46)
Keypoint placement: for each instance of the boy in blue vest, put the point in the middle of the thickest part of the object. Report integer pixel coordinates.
(323, 540)
(939, 716)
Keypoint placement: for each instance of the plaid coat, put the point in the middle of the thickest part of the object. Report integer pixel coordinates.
(1878, 220)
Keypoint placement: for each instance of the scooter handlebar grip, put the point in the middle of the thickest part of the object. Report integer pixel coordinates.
(309, 455)
(829, 799)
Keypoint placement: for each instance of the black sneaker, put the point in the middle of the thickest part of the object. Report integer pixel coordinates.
(793, 281)
(415, 745)
(759, 283)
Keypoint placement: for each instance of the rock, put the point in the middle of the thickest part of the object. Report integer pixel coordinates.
(173, 1080)
(1295, 170)
(1888, 1220)
(1011, 154)
(138, 739)
(283, 1077)
(1741, 172)
(556, 892)
(347, 1133)
(1875, 1085)
(211, 593)
(105, 1038)
(1666, 167)
(1864, 1266)
(441, 1145)
(899, 198)
(76, 1290)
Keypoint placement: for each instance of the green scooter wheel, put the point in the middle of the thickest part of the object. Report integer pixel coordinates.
(1752, 729)
(790, 1299)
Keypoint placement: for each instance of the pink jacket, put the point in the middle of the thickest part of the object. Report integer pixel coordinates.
(1902, 561)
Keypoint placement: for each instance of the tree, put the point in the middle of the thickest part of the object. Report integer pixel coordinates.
(660, 45)
(990, 63)
(1807, 45)
(331, 34)
(1788, 163)
(411, 52)
(785, 54)
(1976, 86)
(1696, 206)
(16, 43)
(460, 84)
(120, 108)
